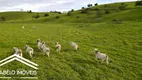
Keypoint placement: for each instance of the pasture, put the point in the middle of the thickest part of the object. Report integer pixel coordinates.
(121, 42)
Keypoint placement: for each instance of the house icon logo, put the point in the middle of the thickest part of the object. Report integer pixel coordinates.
(20, 59)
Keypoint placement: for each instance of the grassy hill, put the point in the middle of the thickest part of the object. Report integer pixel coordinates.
(121, 42)
(93, 14)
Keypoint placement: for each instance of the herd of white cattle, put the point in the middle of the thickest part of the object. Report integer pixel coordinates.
(42, 47)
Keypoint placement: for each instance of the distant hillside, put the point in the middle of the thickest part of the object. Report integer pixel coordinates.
(126, 11)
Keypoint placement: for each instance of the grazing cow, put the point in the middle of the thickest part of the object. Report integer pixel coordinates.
(20, 53)
(17, 51)
(74, 45)
(39, 44)
(29, 50)
(58, 47)
(45, 49)
(101, 56)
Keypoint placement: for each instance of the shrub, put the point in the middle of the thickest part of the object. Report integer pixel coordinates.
(36, 16)
(98, 13)
(45, 15)
(57, 17)
(59, 13)
(107, 11)
(117, 21)
(77, 17)
(99, 20)
(3, 18)
(69, 14)
(84, 11)
(122, 6)
(105, 6)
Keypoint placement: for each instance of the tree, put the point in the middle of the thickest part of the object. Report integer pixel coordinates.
(122, 6)
(72, 10)
(138, 3)
(30, 11)
(45, 15)
(96, 4)
(89, 5)
(83, 7)
(3, 18)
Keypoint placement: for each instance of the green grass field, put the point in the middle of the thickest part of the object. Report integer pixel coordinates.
(121, 42)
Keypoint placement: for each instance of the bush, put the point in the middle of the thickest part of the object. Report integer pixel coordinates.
(3, 18)
(45, 15)
(122, 6)
(107, 11)
(98, 13)
(57, 17)
(77, 17)
(117, 21)
(69, 14)
(59, 13)
(36, 16)
(56, 12)
(99, 20)
(105, 6)
(84, 11)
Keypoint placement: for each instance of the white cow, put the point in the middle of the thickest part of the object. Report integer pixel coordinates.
(39, 44)
(101, 56)
(58, 47)
(17, 51)
(45, 49)
(74, 45)
(29, 50)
